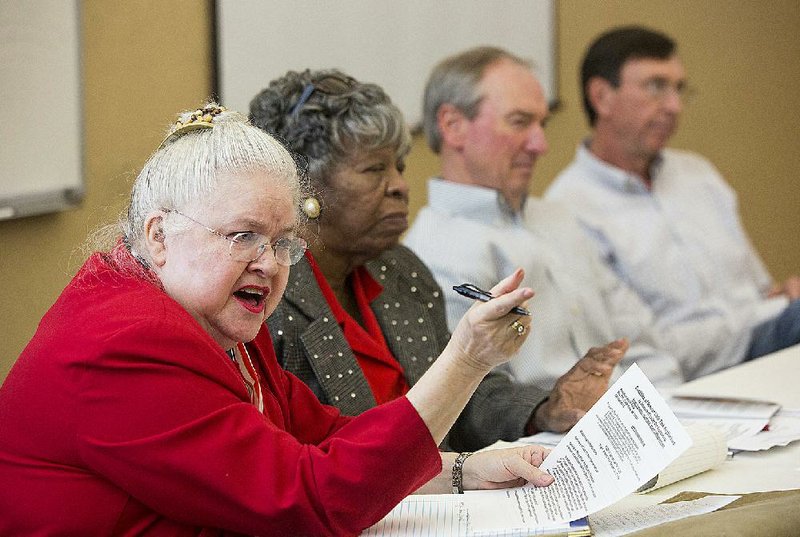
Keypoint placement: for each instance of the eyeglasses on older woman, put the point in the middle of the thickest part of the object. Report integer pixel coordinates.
(247, 246)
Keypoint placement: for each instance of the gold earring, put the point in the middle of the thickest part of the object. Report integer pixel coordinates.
(311, 207)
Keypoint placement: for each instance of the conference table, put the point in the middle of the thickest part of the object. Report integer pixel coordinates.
(774, 378)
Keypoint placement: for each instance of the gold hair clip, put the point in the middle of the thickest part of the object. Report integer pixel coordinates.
(199, 119)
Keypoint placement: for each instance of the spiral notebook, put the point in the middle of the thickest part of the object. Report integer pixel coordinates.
(447, 515)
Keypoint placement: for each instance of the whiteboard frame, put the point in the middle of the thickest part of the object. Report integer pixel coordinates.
(41, 161)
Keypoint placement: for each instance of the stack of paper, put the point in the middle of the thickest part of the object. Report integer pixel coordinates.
(625, 439)
(780, 432)
(749, 425)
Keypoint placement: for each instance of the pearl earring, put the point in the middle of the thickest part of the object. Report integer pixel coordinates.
(311, 207)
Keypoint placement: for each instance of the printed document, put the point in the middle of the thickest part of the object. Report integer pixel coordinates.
(625, 439)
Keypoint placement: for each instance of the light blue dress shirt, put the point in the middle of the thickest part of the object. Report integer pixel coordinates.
(467, 234)
(680, 246)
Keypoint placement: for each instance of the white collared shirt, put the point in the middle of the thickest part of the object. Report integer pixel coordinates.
(468, 234)
(681, 246)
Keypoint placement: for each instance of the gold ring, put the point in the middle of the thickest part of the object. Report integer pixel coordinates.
(518, 327)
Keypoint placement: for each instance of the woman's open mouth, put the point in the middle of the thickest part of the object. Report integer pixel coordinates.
(253, 298)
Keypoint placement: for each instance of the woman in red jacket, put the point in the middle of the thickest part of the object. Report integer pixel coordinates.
(137, 410)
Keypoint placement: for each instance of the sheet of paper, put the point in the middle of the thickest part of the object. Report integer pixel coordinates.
(740, 419)
(789, 412)
(613, 523)
(625, 439)
(731, 428)
(442, 515)
(717, 407)
(782, 430)
(545, 438)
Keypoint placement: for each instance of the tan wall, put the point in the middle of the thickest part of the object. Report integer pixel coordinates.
(144, 60)
(742, 58)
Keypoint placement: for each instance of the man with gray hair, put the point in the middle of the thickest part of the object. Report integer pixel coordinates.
(484, 114)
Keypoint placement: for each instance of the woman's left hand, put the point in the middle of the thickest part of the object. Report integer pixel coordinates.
(504, 468)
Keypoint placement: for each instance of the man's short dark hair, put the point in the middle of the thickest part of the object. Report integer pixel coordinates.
(611, 50)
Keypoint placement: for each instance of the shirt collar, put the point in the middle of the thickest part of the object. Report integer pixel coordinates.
(364, 283)
(365, 288)
(613, 176)
(470, 201)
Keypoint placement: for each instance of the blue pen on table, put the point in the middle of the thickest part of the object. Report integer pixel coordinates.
(476, 293)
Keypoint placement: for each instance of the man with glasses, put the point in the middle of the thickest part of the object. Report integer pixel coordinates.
(665, 220)
(484, 114)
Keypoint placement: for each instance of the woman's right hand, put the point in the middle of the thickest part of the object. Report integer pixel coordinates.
(487, 335)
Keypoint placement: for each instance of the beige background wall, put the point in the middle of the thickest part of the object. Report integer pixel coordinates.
(144, 60)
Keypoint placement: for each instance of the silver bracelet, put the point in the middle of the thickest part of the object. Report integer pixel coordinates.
(458, 472)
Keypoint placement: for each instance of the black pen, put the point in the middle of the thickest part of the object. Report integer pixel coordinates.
(476, 293)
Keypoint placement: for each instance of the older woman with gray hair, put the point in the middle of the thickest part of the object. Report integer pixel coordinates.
(150, 401)
(362, 318)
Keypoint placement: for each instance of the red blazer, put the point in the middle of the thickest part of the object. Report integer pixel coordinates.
(122, 416)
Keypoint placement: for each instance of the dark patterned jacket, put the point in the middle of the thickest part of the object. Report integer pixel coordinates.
(410, 310)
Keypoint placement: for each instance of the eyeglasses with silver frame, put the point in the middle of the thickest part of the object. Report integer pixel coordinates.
(247, 246)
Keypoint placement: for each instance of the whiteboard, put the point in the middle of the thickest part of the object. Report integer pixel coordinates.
(393, 43)
(40, 126)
